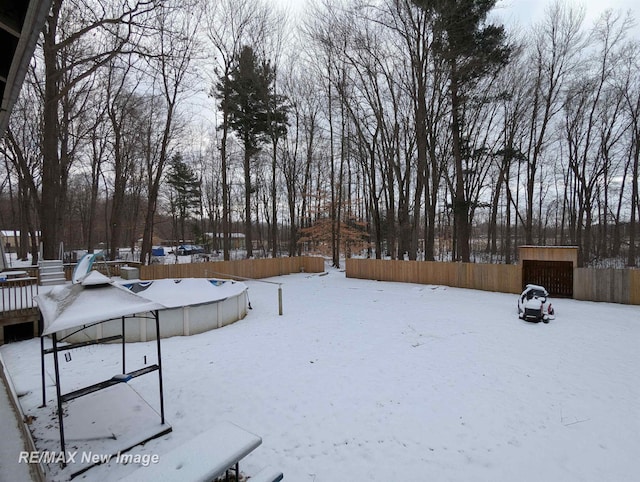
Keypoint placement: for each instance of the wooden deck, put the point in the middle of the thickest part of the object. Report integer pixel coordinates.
(17, 307)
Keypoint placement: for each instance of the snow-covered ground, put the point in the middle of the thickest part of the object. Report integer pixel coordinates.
(370, 381)
(10, 441)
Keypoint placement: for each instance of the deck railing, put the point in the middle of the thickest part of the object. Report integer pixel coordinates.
(17, 295)
(107, 268)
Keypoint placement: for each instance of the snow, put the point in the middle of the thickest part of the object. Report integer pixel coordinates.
(229, 442)
(100, 425)
(11, 441)
(364, 380)
(173, 293)
(70, 306)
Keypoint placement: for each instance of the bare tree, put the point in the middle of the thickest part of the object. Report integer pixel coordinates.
(78, 40)
(588, 109)
(97, 151)
(630, 88)
(558, 40)
(299, 151)
(176, 44)
(124, 110)
(230, 24)
(426, 88)
(21, 148)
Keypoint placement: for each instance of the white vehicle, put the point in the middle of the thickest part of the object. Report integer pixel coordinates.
(534, 305)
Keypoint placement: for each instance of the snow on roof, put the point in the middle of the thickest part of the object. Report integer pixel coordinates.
(11, 232)
(95, 278)
(99, 299)
(220, 235)
(547, 247)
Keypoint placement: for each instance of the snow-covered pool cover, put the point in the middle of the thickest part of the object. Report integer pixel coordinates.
(94, 300)
(173, 293)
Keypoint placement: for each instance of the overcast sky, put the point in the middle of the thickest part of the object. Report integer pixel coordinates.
(525, 12)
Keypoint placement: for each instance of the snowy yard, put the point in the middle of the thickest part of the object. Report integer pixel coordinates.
(370, 381)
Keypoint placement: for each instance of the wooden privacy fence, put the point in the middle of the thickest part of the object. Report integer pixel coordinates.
(589, 284)
(610, 285)
(488, 277)
(245, 268)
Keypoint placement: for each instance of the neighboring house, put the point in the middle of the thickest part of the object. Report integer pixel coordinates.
(237, 239)
(9, 239)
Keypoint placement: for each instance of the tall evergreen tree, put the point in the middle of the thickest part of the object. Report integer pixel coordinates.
(471, 49)
(185, 192)
(255, 113)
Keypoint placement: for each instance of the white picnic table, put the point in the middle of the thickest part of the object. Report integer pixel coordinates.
(203, 458)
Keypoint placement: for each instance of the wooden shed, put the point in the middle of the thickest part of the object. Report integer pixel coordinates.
(549, 266)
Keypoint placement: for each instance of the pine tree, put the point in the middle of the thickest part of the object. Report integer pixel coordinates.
(255, 113)
(185, 192)
(471, 50)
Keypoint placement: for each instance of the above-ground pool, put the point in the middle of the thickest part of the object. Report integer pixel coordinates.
(193, 305)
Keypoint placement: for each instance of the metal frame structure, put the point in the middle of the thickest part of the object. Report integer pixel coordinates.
(121, 378)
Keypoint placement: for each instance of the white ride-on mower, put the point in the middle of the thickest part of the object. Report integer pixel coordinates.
(534, 305)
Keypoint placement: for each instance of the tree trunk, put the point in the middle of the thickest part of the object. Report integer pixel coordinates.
(51, 205)
(247, 200)
(274, 206)
(631, 259)
(226, 217)
(460, 205)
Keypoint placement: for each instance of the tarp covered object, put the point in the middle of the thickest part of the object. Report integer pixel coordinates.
(94, 300)
(188, 291)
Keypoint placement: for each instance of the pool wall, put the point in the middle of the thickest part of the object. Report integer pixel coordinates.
(175, 321)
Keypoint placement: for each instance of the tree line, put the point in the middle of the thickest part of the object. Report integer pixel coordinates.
(417, 129)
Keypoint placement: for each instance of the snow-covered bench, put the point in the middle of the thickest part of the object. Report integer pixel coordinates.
(203, 458)
(267, 475)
